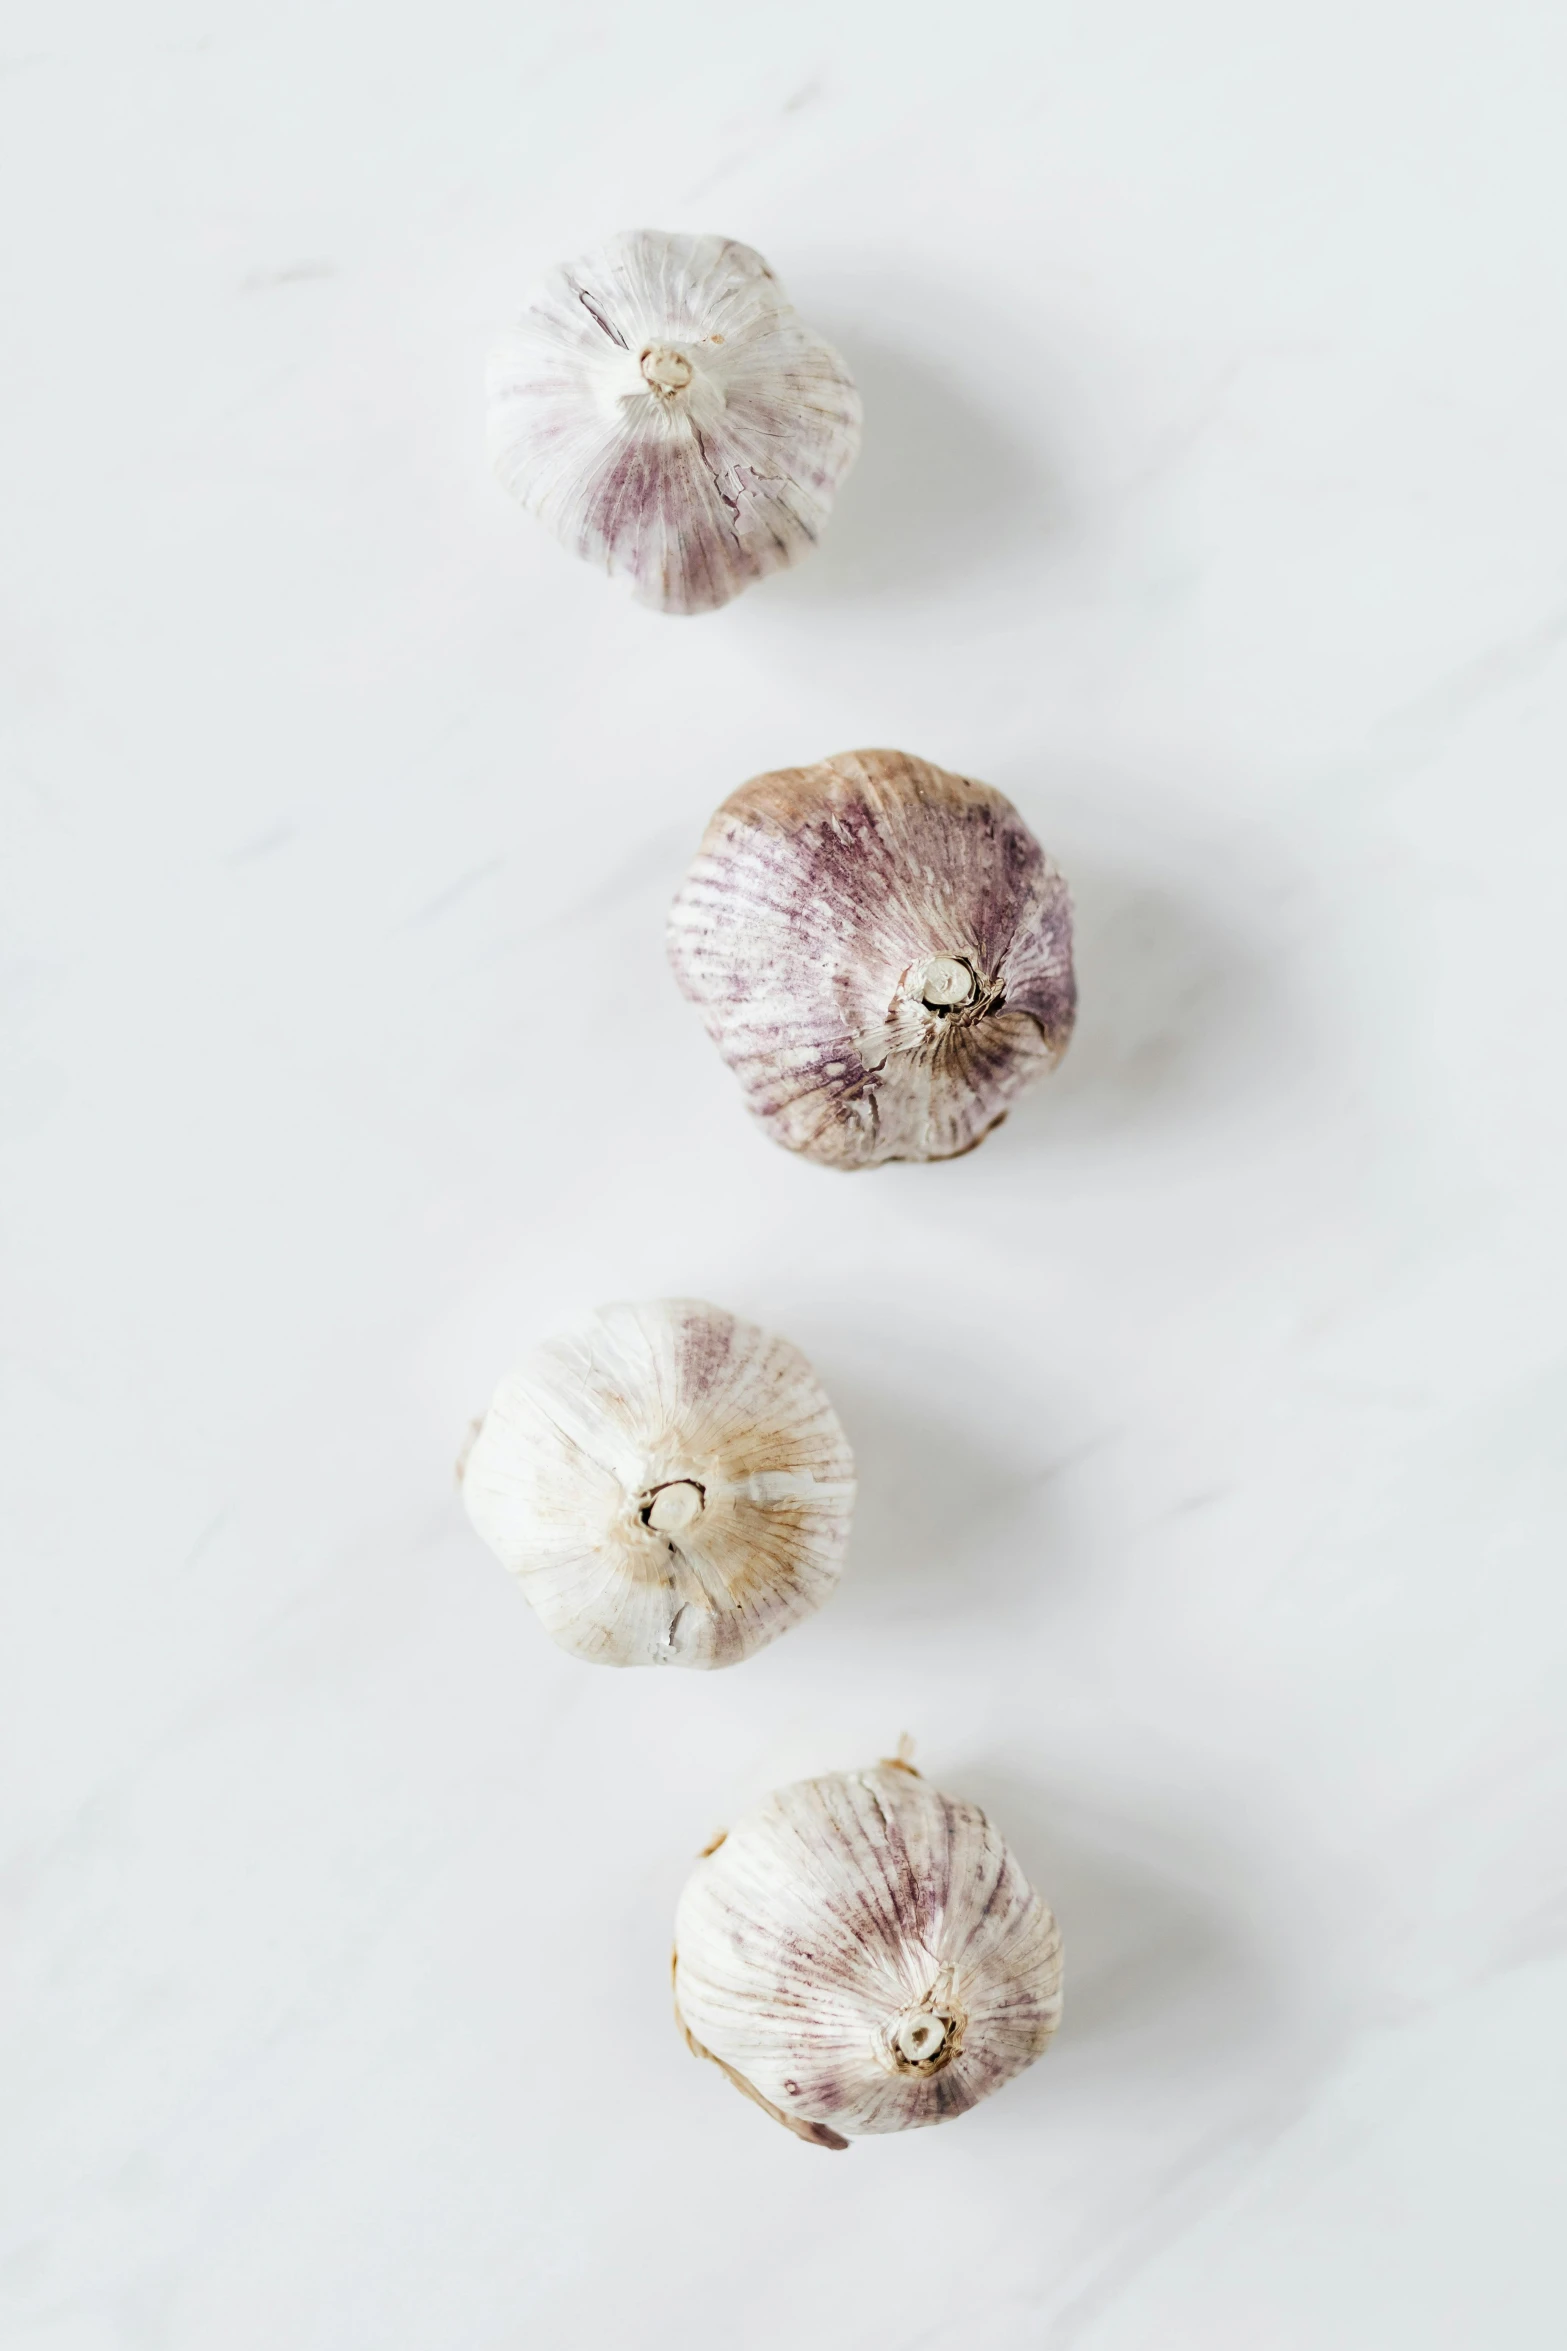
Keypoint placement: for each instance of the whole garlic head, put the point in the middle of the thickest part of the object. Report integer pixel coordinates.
(669, 1484)
(862, 1954)
(882, 953)
(664, 411)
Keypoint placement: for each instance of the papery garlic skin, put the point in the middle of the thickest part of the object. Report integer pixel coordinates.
(862, 1954)
(664, 411)
(668, 1483)
(881, 952)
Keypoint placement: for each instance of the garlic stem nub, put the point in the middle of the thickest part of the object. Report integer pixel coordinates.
(674, 1507)
(665, 368)
(921, 2037)
(947, 981)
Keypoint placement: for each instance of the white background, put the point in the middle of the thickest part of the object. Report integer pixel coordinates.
(1210, 1418)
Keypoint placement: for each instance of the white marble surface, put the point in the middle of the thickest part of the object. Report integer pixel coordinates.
(1214, 504)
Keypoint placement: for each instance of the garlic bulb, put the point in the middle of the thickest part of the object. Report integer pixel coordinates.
(669, 1484)
(882, 953)
(863, 1954)
(664, 411)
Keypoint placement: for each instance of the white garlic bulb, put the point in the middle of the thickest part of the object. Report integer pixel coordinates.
(863, 1954)
(882, 953)
(669, 1484)
(663, 410)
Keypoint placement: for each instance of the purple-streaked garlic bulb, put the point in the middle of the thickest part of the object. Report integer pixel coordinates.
(664, 411)
(863, 1954)
(669, 1485)
(881, 952)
